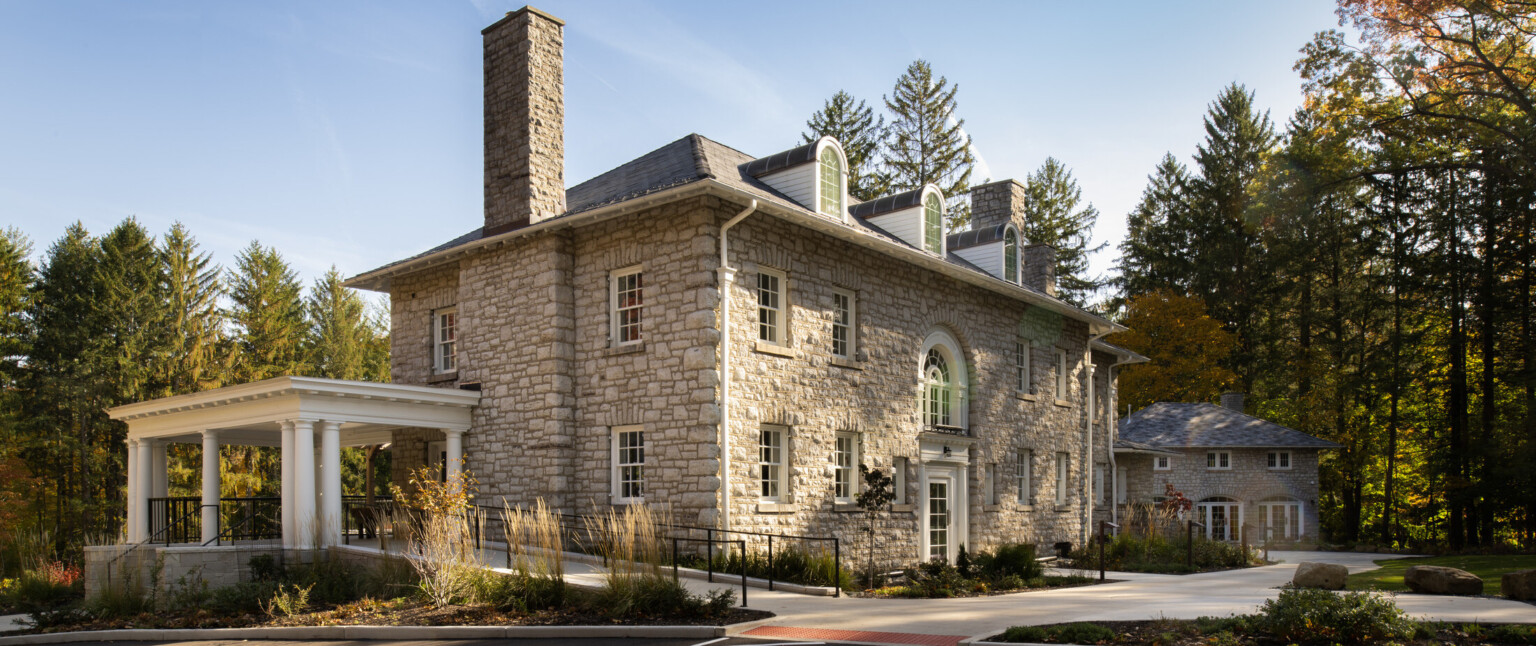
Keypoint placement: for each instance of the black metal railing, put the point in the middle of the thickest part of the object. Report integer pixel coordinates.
(251, 518)
(175, 520)
(365, 519)
(946, 429)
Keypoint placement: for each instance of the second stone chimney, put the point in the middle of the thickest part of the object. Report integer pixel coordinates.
(1232, 401)
(997, 203)
(524, 120)
(1040, 267)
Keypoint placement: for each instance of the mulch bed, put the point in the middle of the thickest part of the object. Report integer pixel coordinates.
(401, 612)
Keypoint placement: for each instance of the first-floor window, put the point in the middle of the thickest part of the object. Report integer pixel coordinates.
(445, 338)
(1119, 485)
(770, 462)
(1063, 463)
(1218, 460)
(1098, 484)
(990, 486)
(899, 479)
(844, 457)
(628, 463)
(1281, 519)
(1279, 459)
(1026, 483)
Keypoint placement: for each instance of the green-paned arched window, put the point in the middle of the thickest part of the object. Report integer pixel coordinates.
(1011, 256)
(933, 224)
(831, 182)
(936, 385)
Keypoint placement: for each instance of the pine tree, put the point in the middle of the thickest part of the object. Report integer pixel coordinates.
(268, 312)
(16, 295)
(926, 143)
(1154, 255)
(342, 338)
(1055, 215)
(199, 356)
(859, 130)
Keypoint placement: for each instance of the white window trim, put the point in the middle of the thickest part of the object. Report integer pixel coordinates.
(614, 308)
(1266, 516)
(1063, 388)
(438, 355)
(1099, 475)
(852, 326)
(1213, 460)
(782, 473)
(1024, 472)
(989, 486)
(781, 323)
(617, 488)
(1063, 477)
(1018, 256)
(1290, 459)
(842, 199)
(852, 470)
(1023, 366)
(959, 392)
(1121, 487)
(1162, 462)
(899, 479)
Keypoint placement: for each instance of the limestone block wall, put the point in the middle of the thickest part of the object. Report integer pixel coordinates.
(1250, 481)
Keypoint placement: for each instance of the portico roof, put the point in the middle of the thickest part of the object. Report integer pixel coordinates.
(251, 414)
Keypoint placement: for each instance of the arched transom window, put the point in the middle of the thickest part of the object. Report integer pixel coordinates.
(942, 375)
(1011, 255)
(933, 224)
(831, 182)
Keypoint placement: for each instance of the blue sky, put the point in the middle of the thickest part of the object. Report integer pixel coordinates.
(349, 133)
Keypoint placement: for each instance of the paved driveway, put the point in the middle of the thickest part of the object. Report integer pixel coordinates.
(1139, 596)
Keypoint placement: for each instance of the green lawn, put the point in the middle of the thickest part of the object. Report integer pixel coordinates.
(1490, 568)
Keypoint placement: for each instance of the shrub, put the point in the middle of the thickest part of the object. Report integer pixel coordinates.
(1075, 633)
(1513, 634)
(1027, 634)
(441, 550)
(790, 564)
(241, 598)
(288, 602)
(1320, 616)
(1017, 559)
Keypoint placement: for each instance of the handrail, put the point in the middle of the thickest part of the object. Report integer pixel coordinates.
(150, 540)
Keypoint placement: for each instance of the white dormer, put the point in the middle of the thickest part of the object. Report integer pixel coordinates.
(916, 217)
(997, 249)
(815, 176)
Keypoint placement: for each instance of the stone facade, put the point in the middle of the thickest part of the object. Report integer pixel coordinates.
(524, 120)
(1249, 481)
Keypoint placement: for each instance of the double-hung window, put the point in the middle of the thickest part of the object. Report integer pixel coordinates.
(1218, 460)
(445, 337)
(1098, 484)
(771, 321)
(1061, 375)
(845, 457)
(1280, 459)
(899, 480)
(843, 313)
(1023, 382)
(626, 305)
(1026, 481)
(628, 464)
(771, 463)
(1063, 463)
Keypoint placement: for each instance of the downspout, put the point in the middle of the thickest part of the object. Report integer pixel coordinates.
(1088, 430)
(727, 275)
(1110, 433)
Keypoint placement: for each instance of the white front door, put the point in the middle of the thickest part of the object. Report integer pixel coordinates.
(1223, 520)
(939, 507)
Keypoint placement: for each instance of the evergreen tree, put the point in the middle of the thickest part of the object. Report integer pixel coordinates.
(342, 339)
(16, 295)
(1155, 253)
(925, 142)
(1055, 215)
(268, 313)
(859, 130)
(199, 356)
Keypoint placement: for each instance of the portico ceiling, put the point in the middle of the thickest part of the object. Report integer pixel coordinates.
(251, 414)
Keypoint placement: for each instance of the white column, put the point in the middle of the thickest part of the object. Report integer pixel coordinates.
(141, 489)
(304, 479)
(287, 485)
(131, 505)
(455, 449)
(210, 485)
(159, 470)
(330, 483)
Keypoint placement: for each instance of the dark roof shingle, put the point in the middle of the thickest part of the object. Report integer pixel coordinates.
(1171, 425)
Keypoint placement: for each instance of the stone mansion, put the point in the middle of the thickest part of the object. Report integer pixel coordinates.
(731, 336)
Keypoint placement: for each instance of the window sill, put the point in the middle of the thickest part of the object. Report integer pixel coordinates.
(777, 508)
(1026, 507)
(845, 508)
(1063, 403)
(850, 364)
(1279, 468)
(1218, 468)
(774, 349)
(1029, 397)
(622, 502)
(903, 507)
(1063, 508)
(630, 348)
(440, 377)
(990, 507)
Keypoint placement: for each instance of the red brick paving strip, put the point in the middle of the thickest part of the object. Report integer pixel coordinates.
(854, 636)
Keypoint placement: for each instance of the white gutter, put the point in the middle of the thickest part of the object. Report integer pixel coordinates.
(727, 276)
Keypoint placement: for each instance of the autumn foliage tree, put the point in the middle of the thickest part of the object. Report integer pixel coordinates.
(1186, 346)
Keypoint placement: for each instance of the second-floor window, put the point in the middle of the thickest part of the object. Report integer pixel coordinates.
(1022, 380)
(627, 305)
(770, 307)
(1063, 476)
(1062, 385)
(843, 304)
(445, 338)
(1279, 459)
(1161, 463)
(1218, 460)
(1026, 482)
(936, 400)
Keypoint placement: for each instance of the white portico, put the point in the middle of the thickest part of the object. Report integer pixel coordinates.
(310, 418)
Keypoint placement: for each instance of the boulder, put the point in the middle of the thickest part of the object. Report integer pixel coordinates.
(1434, 579)
(1519, 585)
(1328, 576)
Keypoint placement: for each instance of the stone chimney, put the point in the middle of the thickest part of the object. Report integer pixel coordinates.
(1232, 401)
(1040, 267)
(524, 120)
(997, 203)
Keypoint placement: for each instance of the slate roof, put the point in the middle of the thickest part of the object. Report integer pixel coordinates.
(684, 161)
(1168, 425)
(974, 237)
(887, 204)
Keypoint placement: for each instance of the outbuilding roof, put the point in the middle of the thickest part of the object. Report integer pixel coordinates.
(1169, 425)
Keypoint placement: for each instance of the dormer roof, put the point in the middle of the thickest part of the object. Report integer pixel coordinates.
(780, 161)
(887, 204)
(976, 237)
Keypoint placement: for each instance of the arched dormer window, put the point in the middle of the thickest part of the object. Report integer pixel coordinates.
(933, 224)
(943, 377)
(830, 182)
(1011, 255)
